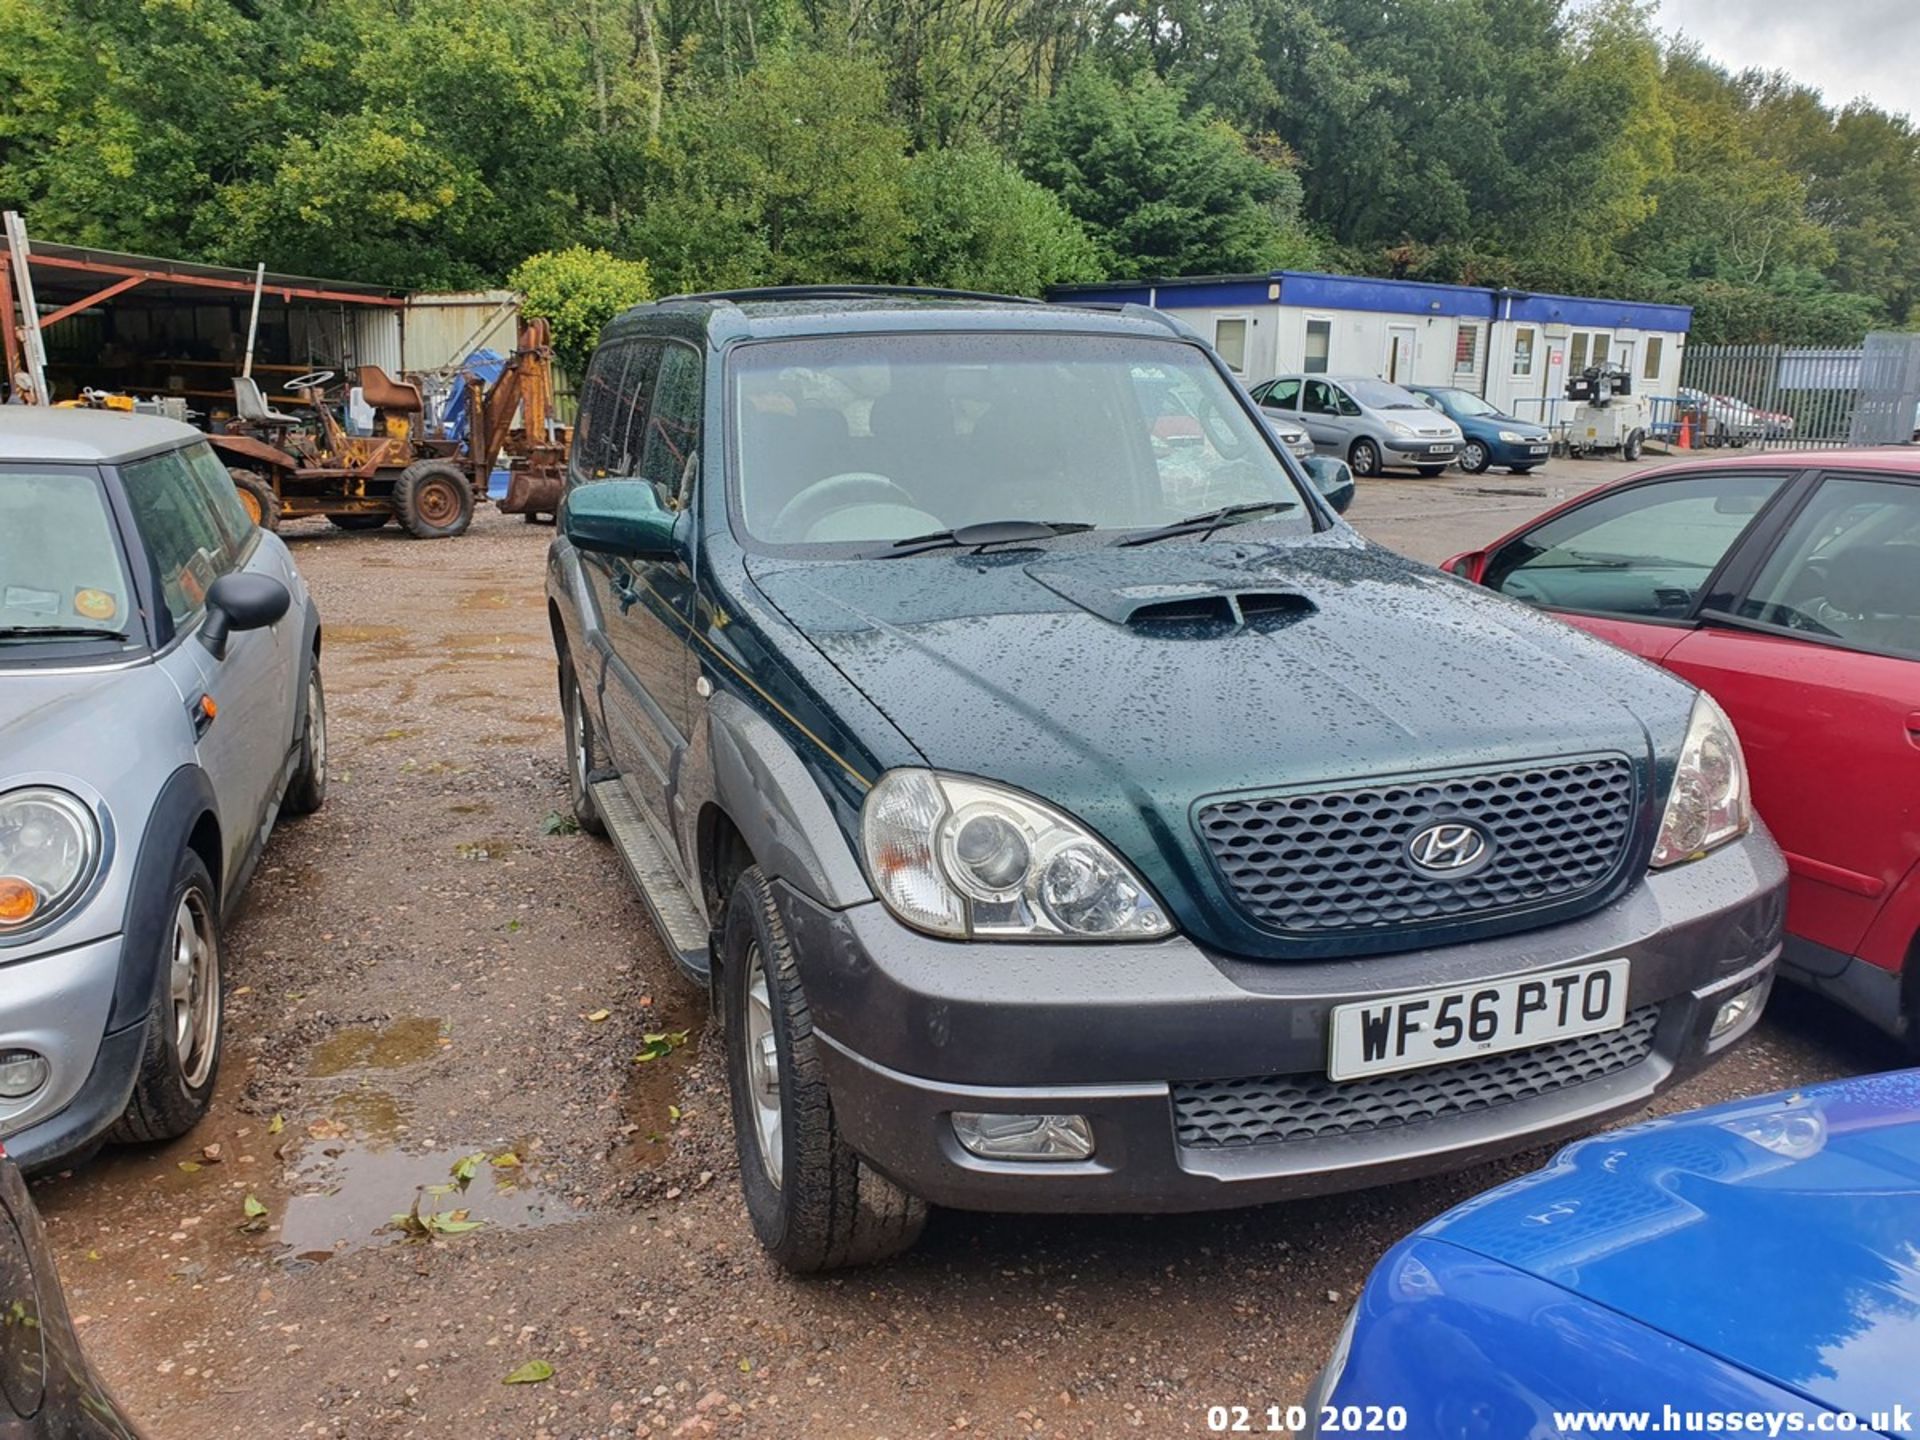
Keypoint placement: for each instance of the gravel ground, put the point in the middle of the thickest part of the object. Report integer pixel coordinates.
(427, 972)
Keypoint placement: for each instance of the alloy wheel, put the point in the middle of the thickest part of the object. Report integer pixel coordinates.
(194, 986)
(763, 1065)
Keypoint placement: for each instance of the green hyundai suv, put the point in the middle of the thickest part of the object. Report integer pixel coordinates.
(1070, 812)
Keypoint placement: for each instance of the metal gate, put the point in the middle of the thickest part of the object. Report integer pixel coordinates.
(1888, 409)
(1773, 397)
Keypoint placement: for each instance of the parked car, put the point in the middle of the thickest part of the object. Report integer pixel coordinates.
(1749, 1260)
(160, 705)
(1065, 825)
(1788, 587)
(48, 1389)
(1721, 420)
(1368, 423)
(1489, 435)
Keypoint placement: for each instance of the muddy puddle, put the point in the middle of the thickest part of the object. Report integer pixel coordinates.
(350, 1194)
(378, 1047)
(655, 1101)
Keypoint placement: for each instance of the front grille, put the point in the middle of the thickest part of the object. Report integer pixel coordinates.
(1277, 1109)
(1335, 862)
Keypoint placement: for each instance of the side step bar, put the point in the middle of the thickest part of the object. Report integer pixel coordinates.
(675, 916)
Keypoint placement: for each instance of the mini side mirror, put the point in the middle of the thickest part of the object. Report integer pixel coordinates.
(239, 601)
(1332, 478)
(619, 517)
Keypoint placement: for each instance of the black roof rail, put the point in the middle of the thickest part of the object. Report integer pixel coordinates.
(850, 292)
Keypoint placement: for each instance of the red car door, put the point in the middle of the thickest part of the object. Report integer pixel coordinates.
(1631, 563)
(1818, 664)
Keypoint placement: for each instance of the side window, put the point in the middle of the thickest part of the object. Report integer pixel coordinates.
(1640, 553)
(1343, 403)
(179, 530)
(636, 400)
(1282, 395)
(594, 435)
(671, 453)
(1317, 399)
(228, 513)
(1848, 569)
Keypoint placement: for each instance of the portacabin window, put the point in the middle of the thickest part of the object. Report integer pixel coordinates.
(1523, 340)
(1319, 344)
(1230, 340)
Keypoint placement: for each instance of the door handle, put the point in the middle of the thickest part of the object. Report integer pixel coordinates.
(1913, 727)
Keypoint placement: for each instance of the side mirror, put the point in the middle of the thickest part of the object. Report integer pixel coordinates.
(1468, 565)
(619, 517)
(1332, 478)
(239, 601)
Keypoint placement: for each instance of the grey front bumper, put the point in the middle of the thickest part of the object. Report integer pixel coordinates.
(916, 1028)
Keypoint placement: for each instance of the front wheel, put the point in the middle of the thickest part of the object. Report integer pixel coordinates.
(1636, 442)
(1364, 456)
(582, 758)
(814, 1204)
(434, 500)
(181, 1059)
(307, 790)
(1474, 458)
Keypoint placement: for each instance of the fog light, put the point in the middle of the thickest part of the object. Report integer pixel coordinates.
(1738, 1012)
(21, 1073)
(1025, 1137)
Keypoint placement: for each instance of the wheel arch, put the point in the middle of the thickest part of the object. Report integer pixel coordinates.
(184, 816)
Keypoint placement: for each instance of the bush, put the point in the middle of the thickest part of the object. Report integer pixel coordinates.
(578, 291)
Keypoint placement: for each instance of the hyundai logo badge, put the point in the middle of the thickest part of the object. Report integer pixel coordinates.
(1448, 848)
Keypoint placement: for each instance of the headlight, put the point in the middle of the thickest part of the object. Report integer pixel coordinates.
(1514, 437)
(49, 845)
(1709, 804)
(954, 856)
(1397, 428)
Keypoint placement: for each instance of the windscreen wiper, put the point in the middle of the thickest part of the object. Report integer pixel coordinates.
(1209, 520)
(987, 532)
(60, 632)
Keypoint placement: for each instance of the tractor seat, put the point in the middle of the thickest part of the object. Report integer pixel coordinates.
(382, 392)
(251, 405)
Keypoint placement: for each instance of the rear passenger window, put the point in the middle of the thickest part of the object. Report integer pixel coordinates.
(176, 523)
(228, 513)
(612, 432)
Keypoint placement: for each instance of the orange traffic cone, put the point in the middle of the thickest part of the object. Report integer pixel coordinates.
(1686, 432)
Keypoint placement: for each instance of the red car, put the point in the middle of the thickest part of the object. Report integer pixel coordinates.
(1788, 587)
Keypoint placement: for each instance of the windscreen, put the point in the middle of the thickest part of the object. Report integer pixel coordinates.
(1382, 395)
(60, 565)
(861, 441)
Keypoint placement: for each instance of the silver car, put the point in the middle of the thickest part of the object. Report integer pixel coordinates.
(1368, 423)
(160, 706)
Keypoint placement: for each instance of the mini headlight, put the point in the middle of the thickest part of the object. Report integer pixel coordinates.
(1514, 437)
(954, 856)
(1397, 428)
(49, 845)
(1709, 803)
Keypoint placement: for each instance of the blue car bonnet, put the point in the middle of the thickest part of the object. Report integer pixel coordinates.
(1781, 1235)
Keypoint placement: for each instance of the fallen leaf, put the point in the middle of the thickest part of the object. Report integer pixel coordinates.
(506, 1160)
(254, 1208)
(466, 1167)
(531, 1373)
(276, 1125)
(597, 1016)
(189, 1165)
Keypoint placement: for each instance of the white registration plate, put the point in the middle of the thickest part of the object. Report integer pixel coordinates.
(1536, 449)
(1439, 449)
(1432, 1027)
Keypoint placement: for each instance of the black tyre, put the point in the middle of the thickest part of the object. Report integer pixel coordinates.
(583, 755)
(307, 791)
(257, 498)
(1519, 469)
(1364, 456)
(814, 1204)
(181, 1060)
(1636, 442)
(1431, 472)
(434, 500)
(1474, 457)
(360, 520)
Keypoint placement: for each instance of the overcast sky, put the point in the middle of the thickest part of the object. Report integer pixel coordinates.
(1843, 48)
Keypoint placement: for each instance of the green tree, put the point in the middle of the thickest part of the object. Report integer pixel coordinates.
(979, 224)
(579, 290)
(1161, 191)
(793, 175)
